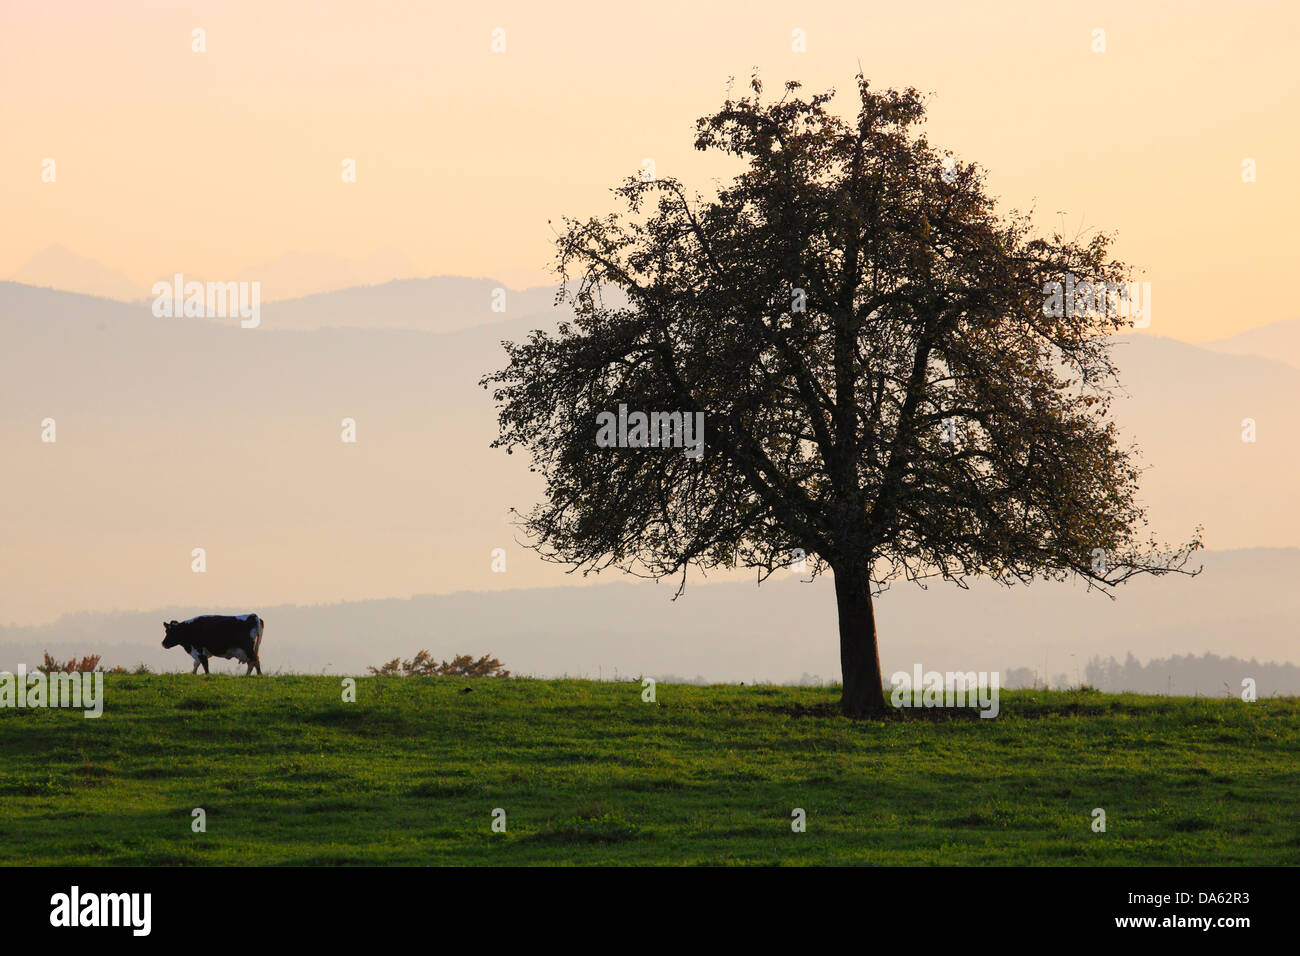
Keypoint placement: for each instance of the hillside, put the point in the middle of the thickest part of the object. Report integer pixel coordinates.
(1276, 340)
(588, 773)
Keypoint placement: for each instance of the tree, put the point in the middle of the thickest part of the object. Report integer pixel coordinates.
(887, 386)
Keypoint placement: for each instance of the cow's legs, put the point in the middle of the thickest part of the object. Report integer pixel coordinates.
(257, 649)
(205, 665)
(196, 666)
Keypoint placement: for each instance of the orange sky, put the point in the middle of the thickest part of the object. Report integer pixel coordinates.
(211, 163)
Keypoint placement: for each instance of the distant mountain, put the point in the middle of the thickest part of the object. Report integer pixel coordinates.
(1277, 340)
(297, 274)
(1188, 409)
(382, 290)
(57, 268)
(437, 304)
(176, 434)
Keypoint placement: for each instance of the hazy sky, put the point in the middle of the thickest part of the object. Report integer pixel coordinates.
(213, 162)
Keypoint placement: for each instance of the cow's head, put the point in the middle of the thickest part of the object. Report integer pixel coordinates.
(170, 639)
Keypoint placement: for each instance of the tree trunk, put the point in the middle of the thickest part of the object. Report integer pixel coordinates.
(859, 654)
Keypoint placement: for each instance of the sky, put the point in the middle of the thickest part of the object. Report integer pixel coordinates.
(209, 163)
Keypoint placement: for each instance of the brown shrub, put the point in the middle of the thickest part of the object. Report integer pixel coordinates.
(424, 665)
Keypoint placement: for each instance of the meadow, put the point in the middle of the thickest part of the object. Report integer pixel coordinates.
(587, 772)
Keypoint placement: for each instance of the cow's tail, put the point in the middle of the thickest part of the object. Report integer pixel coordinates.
(257, 645)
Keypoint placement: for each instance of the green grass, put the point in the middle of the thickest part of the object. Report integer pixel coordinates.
(588, 773)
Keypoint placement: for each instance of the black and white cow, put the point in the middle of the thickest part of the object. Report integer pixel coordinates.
(215, 635)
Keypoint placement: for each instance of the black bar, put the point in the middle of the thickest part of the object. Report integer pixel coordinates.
(905, 904)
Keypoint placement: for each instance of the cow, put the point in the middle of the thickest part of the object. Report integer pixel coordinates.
(215, 635)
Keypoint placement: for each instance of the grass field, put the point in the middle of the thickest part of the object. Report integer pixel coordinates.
(587, 773)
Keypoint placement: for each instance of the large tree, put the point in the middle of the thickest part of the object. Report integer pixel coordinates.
(887, 387)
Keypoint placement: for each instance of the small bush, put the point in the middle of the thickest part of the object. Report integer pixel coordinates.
(423, 665)
(72, 666)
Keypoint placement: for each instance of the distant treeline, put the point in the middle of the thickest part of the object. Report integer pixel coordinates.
(1207, 676)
